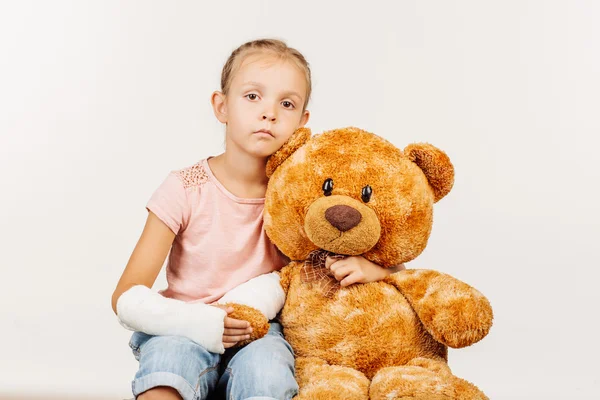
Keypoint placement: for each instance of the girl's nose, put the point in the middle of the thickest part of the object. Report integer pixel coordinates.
(268, 116)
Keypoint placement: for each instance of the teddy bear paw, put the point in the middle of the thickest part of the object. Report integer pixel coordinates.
(259, 323)
(423, 381)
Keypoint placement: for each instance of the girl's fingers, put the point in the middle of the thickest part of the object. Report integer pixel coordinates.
(343, 272)
(237, 332)
(234, 339)
(330, 261)
(231, 323)
(227, 309)
(350, 279)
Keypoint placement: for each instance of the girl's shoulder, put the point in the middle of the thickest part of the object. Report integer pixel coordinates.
(194, 175)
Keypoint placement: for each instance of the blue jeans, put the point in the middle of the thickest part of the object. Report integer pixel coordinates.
(262, 370)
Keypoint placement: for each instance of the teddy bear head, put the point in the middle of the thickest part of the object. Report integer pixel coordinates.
(351, 192)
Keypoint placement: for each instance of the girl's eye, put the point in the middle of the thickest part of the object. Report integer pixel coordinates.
(287, 104)
(251, 96)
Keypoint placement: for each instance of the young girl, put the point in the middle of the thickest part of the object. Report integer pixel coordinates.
(208, 218)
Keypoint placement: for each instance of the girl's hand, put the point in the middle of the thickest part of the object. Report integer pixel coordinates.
(357, 269)
(236, 330)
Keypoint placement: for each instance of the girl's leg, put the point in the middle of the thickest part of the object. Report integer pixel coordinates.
(173, 362)
(160, 393)
(263, 370)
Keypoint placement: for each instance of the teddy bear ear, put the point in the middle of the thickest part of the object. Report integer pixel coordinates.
(298, 138)
(435, 164)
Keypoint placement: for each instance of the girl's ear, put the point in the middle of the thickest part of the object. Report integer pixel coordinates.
(298, 138)
(219, 106)
(436, 166)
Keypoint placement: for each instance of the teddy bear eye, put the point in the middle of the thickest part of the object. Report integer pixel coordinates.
(366, 193)
(328, 186)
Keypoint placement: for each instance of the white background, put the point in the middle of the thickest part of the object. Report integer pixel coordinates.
(100, 100)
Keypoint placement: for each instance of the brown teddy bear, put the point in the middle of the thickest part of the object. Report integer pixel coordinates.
(349, 192)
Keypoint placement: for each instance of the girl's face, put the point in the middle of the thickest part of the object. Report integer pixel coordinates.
(265, 94)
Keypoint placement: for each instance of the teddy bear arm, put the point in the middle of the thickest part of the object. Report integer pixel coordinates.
(453, 312)
(285, 275)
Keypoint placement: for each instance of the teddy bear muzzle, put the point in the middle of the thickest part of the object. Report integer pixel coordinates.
(342, 225)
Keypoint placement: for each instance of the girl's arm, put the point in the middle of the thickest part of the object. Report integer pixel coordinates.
(140, 308)
(147, 258)
(263, 293)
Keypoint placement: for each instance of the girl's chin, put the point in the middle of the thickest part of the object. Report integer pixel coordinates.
(262, 151)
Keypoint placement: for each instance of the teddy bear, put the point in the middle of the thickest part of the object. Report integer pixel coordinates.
(348, 192)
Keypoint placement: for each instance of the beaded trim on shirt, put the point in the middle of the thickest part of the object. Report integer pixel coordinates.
(193, 176)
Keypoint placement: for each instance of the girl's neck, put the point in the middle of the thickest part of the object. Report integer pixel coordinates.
(240, 173)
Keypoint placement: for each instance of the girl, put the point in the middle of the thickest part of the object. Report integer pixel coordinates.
(208, 219)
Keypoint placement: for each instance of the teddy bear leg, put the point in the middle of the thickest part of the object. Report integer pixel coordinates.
(424, 379)
(320, 381)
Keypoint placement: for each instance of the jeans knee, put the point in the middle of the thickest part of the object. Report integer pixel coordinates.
(259, 383)
(264, 375)
(175, 362)
(263, 370)
(275, 344)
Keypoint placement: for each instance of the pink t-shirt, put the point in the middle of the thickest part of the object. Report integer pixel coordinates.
(220, 241)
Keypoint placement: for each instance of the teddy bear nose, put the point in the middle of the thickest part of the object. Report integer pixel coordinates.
(343, 217)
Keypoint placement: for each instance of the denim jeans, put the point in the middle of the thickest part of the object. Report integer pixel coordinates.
(264, 369)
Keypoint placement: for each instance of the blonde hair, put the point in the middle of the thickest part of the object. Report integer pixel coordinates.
(277, 48)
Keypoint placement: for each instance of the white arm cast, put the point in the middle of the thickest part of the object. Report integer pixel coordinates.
(263, 293)
(142, 309)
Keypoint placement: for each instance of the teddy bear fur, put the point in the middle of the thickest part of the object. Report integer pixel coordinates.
(381, 340)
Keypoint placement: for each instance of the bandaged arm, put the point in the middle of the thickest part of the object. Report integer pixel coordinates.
(263, 293)
(142, 309)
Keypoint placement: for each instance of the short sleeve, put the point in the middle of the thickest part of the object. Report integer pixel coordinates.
(169, 203)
